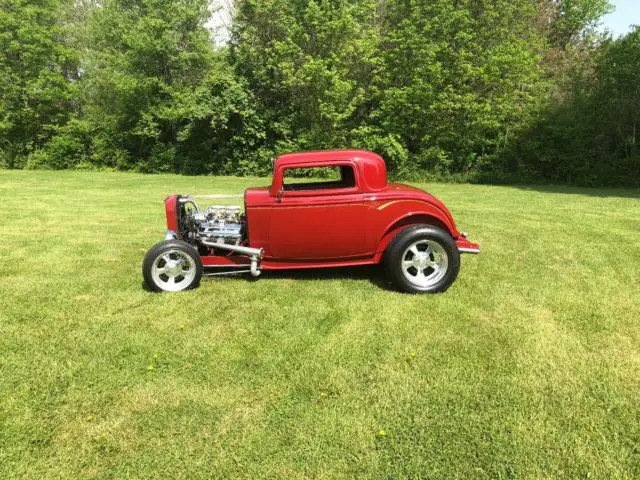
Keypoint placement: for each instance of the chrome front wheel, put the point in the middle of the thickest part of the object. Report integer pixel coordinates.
(173, 271)
(172, 266)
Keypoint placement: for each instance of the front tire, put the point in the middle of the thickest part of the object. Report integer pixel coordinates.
(172, 266)
(422, 259)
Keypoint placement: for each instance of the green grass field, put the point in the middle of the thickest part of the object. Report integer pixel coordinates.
(528, 367)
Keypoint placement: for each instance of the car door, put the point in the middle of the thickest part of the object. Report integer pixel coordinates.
(319, 220)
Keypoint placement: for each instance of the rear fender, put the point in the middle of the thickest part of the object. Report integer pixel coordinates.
(408, 221)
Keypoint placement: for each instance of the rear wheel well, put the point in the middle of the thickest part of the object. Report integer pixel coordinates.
(421, 220)
(397, 227)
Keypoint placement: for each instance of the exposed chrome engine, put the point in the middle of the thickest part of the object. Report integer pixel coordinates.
(219, 224)
(220, 227)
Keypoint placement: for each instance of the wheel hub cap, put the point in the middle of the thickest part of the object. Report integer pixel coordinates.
(173, 271)
(422, 260)
(425, 263)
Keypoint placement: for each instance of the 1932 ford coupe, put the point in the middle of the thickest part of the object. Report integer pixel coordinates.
(352, 217)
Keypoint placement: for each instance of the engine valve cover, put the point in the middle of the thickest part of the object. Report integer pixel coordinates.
(220, 224)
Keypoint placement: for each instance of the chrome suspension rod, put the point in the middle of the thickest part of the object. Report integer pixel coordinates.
(255, 254)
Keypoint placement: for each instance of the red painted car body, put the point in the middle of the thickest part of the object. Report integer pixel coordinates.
(333, 227)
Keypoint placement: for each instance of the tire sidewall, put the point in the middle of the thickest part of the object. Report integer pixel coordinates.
(160, 249)
(403, 240)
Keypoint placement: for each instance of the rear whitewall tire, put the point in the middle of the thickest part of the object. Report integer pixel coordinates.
(172, 266)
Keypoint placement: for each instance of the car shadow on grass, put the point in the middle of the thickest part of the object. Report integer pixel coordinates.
(370, 273)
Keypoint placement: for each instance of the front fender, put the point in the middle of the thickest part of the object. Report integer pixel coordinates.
(171, 211)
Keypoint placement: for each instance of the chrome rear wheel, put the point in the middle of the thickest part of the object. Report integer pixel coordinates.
(425, 263)
(422, 259)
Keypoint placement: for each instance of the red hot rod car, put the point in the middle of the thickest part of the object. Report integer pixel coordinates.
(355, 217)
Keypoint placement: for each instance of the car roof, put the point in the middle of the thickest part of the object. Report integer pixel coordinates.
(328, 157)
(371, 165)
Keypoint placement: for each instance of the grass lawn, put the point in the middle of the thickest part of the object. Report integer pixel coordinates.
(528, 367)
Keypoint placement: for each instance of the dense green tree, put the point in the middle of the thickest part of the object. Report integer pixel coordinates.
(592, 136)
(36, 71)
(157, 95)
(493, 89)
(309, 64)
(572, 21)
(617, 93)
(458, 79)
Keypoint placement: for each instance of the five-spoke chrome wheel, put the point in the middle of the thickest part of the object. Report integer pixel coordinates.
(172, 266)
(425, 263)
(422, 259)
(174, 270)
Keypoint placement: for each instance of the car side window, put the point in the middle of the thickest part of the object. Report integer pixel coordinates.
(318, 178)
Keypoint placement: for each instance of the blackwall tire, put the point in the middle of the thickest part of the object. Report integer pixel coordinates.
(422, 259)
(172, 266)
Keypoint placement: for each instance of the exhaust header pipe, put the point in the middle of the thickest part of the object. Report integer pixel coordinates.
(255, 254)
(251, 252)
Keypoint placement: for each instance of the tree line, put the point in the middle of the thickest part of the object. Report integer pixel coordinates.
(468, 90)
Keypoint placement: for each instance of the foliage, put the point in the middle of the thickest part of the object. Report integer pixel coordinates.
(433, 87)
(157, 94)
(457, 79)
(310, 65)
(37, 69)
(592, 138)
(473, 90)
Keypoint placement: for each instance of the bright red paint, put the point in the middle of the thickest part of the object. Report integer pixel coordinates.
(172, 216)
(332, 227)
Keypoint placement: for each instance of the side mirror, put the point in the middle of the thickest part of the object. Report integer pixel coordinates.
(280, 193)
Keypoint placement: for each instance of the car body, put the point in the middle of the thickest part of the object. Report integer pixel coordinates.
(350, 220)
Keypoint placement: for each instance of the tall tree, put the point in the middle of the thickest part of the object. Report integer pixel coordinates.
(458, 79)
(156, 95)
(310, 65)
(572, 21)
(36, 69)
(442, 83)
(591, 137)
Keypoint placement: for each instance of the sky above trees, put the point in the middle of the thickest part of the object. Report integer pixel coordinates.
(627, 13)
